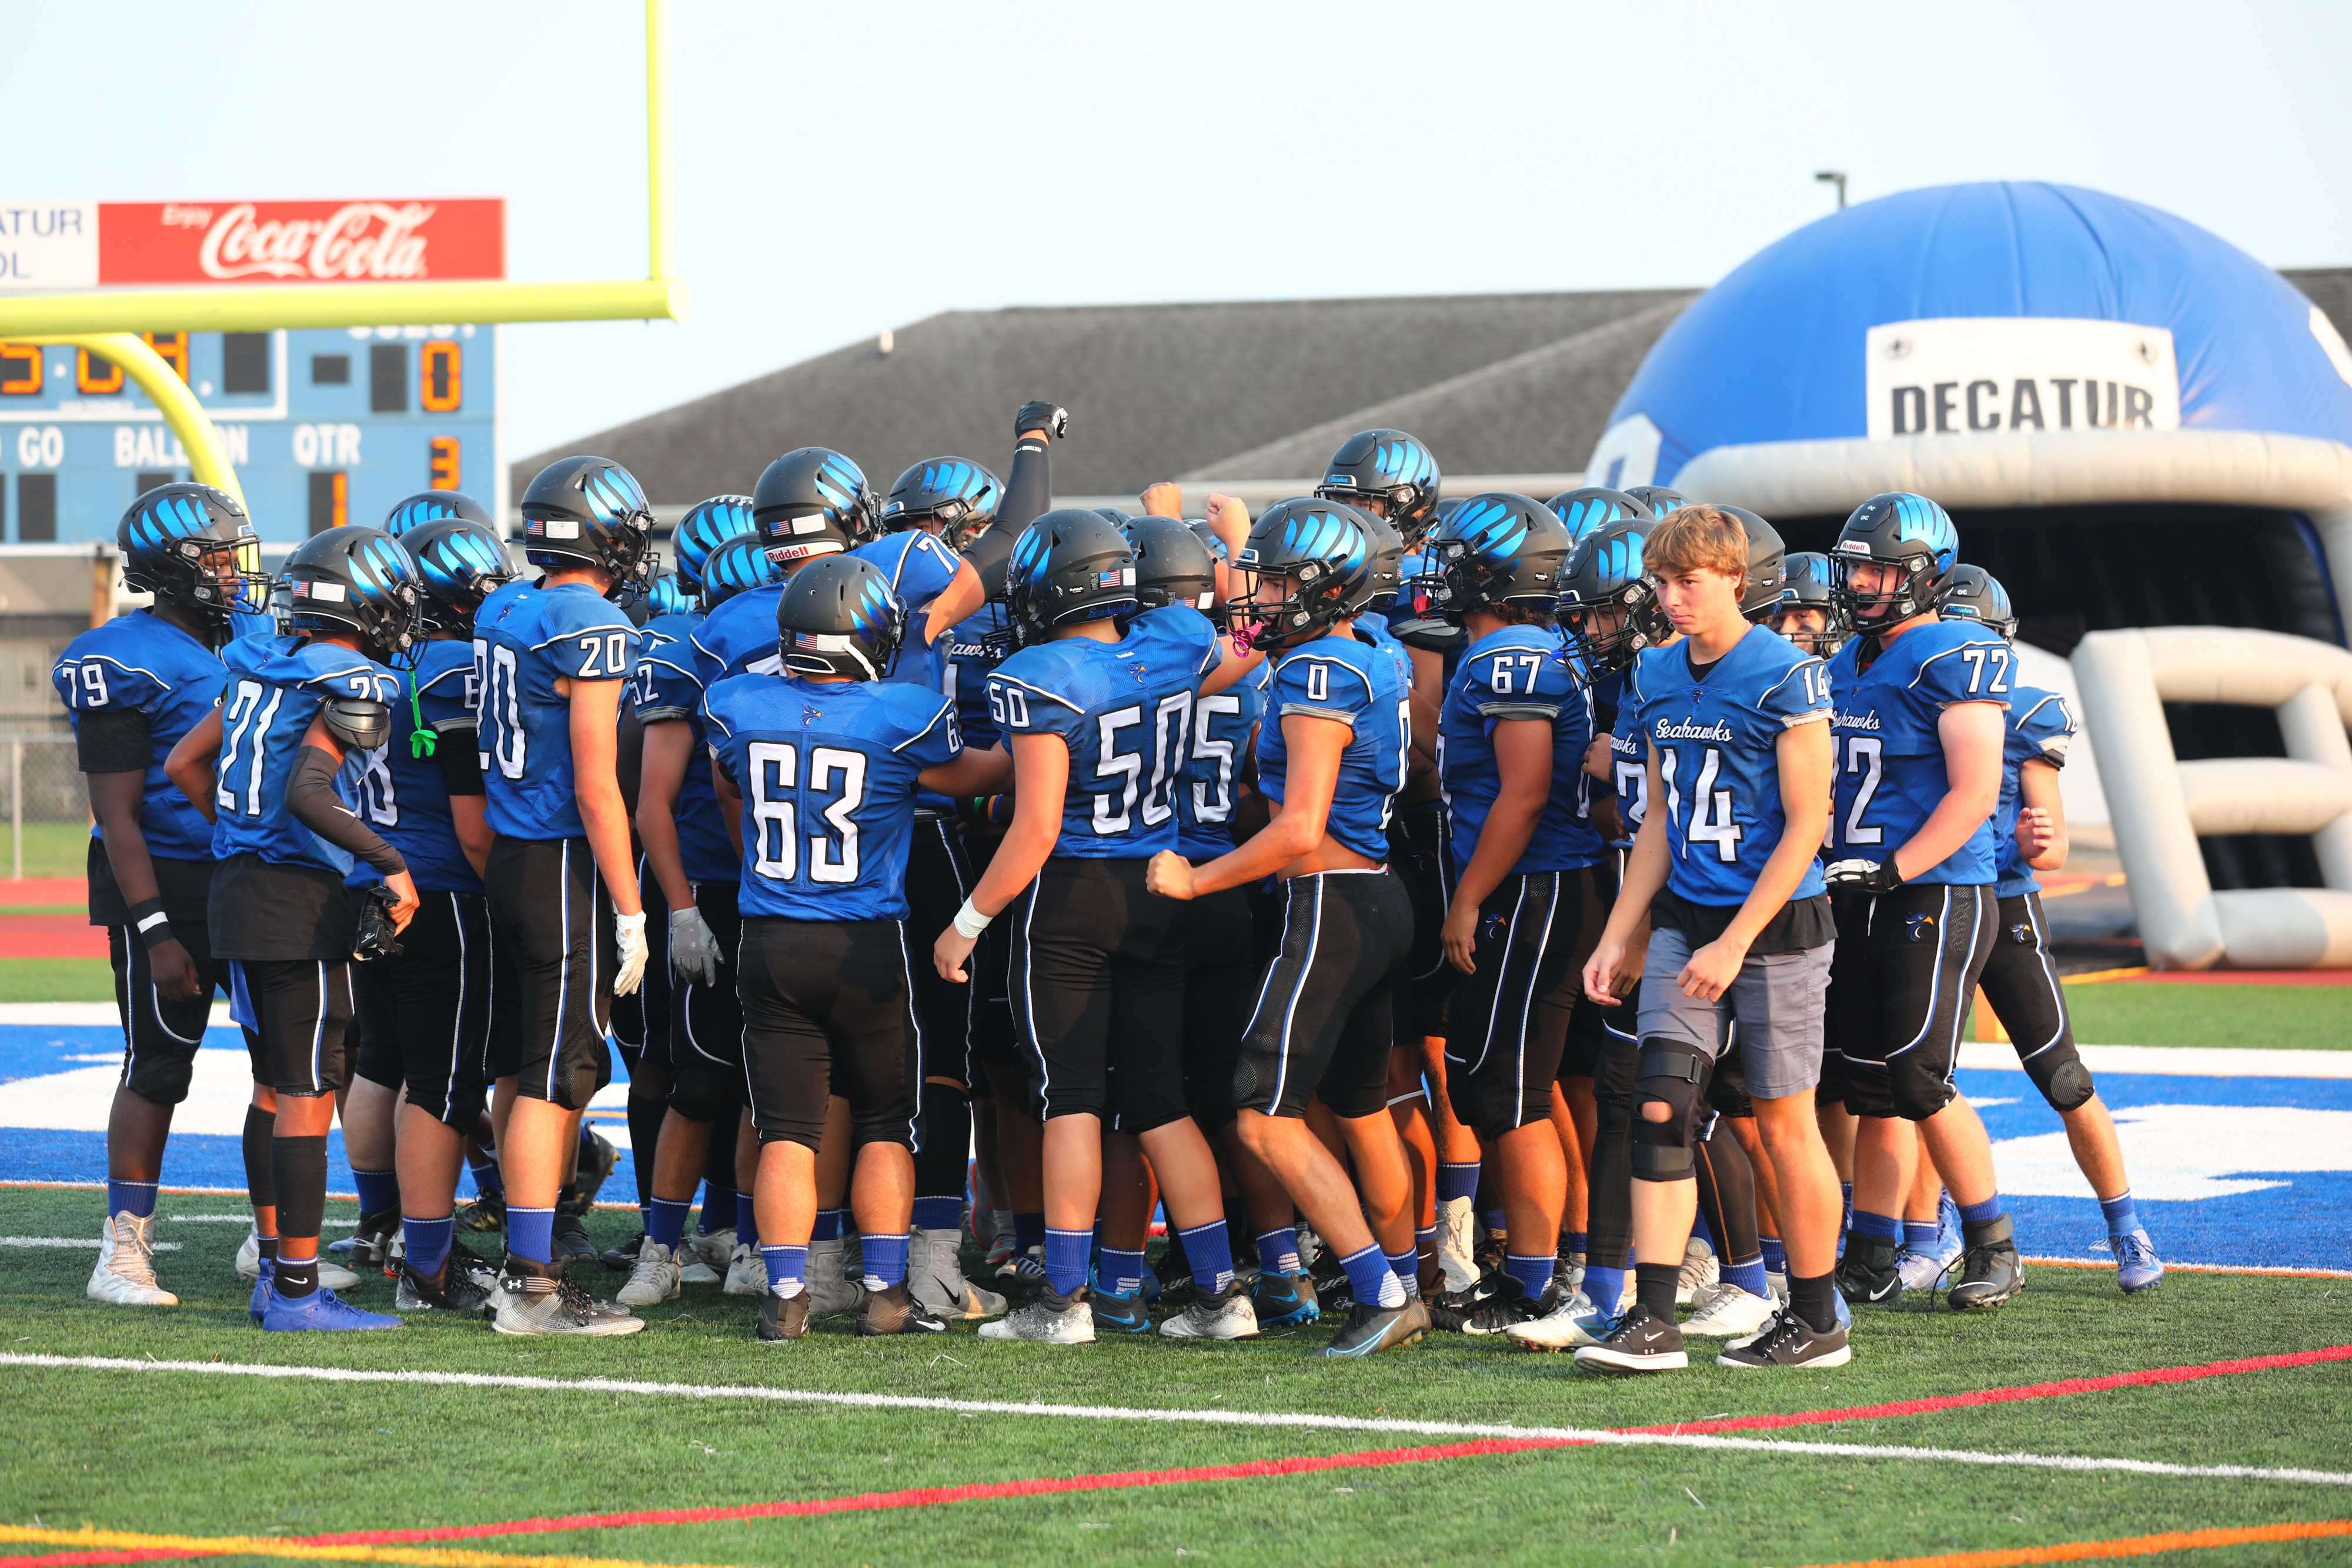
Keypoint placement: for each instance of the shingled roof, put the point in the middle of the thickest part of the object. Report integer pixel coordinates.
(1497, 384)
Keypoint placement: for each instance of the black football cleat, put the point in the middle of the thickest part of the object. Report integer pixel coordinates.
(1871, 1273)
(782, 1318)
(1990, 1271)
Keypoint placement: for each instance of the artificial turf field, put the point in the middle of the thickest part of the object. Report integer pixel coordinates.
(189, 1454)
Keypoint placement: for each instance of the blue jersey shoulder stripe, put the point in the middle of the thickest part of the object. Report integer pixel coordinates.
(1036, 690)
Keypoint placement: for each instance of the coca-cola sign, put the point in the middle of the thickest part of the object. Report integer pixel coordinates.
(393, 240)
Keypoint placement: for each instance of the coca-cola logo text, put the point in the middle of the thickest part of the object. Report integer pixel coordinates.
(370, 240)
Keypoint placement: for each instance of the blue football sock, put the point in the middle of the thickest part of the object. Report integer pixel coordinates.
(1375, 1283)
(1573, 1240)
(669, 1221)
(1492, 1218)
(1121, 1272)
(747, 1221)
(2122, 1218)
(1028, 1231)
(827, 1226)
(718, 1208)
(1776, 1257)
(531, 1233)
(378, 1190)
(428, 1242)
(1533, 1273)
(1278, 1251)
(1406, 1267)
(1602, 1286)
(137, 1198)
(1457, 1181)
(1869, 1227)
(1979, 1213)
(486, 1181)
(1211, 1251)
(1066, 1258)
(1701, 1230)
(1747, 1276)
(785, 1266)
(886, 1259)
(1918, 1237)
(938, 1213)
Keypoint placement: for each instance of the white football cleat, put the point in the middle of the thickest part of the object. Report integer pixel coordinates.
(828, 1290)
(747, 1273)
(703, 1255)
(653, 1278)
(1699, 1271)
(1727, 1312)
(125, 1275)
(935, 1276)
(1228, 1314)
(331, 1274)
(1574, 1322)
(1457, 1244)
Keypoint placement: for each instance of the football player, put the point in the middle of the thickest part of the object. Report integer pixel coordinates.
(821, 769)
(1736, 724)
(551, 662)
(1324, 1018)
(1805, 614)
(1920, 734)
(271, 763)
(132, 688)
(2019, 980)
(1097, 704)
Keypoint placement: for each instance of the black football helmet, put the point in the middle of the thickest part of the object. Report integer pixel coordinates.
(813, 501)
(459, 563)
(193, 545)
(1387, 562)
(1972, 593)
(1324, 549)
(1070, 565)
(1607, 601)
(954, 494)
(1806, 586)
(839, 617)
(590, 511)
(1908, 532)
(1391, 467)
(1586, 509)
(359, 581)
(1500, 548)
(739, 565)
(1172, 565)
(706, 526)
(1658, 498)
(1767, 564)
(431, 507)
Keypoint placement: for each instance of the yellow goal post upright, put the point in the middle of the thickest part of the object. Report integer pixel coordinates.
(110, 323)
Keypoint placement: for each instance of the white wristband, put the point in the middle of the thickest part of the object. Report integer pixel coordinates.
(969, 922)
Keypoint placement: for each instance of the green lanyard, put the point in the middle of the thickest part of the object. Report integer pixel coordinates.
(421, 739)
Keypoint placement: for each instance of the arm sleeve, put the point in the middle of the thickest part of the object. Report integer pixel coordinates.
(311, 797)
(114, 740)
(461, 763)
(1027, 495)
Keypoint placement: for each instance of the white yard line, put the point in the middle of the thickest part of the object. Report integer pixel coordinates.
(1198, 1417)
(89, 1244)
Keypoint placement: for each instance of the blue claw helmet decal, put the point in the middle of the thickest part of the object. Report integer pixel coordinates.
(839, 617)
(1972, 593)
(431, 507)
(1607, 601)
(706, 526)
(668, 596)
(459, 563)
(359, 581)
(814, 501)
(1907, 532)
(1581, 511)
(955, 494)
(1389, 466)
(591, 512)
(1323, 550)
(1500, 548)
(1070, 565)
(193, 545)
(739, 565)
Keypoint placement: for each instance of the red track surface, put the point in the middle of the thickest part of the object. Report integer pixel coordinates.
(923, 1497)
(50, 936)
(2237, 978)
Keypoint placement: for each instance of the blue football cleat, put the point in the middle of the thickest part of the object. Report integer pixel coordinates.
(260, 1303)
(321, 1309)
(1282, 1300)
(1151, 1291)
(1114, 1313)
(2137, 1265)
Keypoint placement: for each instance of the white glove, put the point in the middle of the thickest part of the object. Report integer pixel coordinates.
(693, 950)
(629, 932)
(1861, 877)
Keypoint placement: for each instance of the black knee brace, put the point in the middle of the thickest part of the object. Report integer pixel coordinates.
(2065, 1083)
(1675, 1075)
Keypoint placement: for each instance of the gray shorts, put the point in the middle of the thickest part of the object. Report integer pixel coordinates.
(1777, 1003)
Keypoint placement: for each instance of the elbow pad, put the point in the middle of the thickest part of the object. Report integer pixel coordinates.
(358, 723)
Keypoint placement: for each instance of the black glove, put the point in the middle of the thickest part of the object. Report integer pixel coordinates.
(1051, 418)
(378, 936)
(1430, 637)
(1860, 878)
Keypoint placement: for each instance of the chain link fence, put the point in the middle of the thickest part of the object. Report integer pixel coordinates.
(49, 808)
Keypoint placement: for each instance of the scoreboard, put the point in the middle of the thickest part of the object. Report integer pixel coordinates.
(323, 425)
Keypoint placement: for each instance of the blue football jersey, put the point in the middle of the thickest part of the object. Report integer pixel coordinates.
(1125, 710)
(1354, 680)
(1890, 759)
(2041, 728)
(668, 689)
(827, 770)
(526, 638)
(1223, 726)
(275, 686)
(1717, 765)
(739, 638)
(920, 568)
(399, 793)
(1629, 771)
(1518, 671)
(964, 676)
(141, 663)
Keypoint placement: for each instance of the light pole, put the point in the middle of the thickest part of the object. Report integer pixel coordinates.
(1834, 177)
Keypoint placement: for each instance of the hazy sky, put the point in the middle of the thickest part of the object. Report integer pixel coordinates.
(841, 169)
